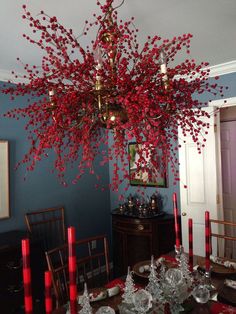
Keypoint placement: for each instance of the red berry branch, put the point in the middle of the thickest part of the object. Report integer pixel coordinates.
(143, 102)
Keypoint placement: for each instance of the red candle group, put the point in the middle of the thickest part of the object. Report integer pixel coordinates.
(190, 239)
(27, 276)
(177, 228)
(72, 270)
(48, 294)
(207, 240)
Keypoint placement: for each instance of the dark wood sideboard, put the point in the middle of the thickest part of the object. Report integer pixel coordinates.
(11, 282)
(136, 239)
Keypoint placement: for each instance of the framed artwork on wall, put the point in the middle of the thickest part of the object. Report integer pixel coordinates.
(4, 180)
(148, 175)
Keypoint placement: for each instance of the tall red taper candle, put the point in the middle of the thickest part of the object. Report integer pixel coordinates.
(177, 229)
(27, 276)
(207, 240)
(48, 292)
(190, 241)
(72, 270)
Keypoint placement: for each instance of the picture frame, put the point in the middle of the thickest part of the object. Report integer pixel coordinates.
(4, 180)
(141, 177)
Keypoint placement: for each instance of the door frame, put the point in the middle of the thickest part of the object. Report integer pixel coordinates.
(220, 103)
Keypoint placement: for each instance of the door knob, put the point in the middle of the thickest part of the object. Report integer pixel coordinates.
(184, 214)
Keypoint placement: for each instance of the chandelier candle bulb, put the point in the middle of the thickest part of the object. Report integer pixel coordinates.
(177, 229)
(162, 59)
(190, 239)
(98, 59)
(27, 276)
(72, 270)
(51, 94)
(163, 68)
(207, 241)
(48, 292)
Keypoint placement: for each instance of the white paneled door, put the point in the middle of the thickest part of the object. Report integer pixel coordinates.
(199, 173)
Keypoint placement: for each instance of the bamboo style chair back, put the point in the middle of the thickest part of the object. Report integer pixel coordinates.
(224, 235)
(92, 257)
(47, 225)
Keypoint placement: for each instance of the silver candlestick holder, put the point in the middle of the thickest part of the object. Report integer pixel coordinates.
(207, 280)
(178, 251)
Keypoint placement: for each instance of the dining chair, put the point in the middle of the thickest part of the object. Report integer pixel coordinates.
(47, 225)
(223, 237)
(57, 262)
(92, 263)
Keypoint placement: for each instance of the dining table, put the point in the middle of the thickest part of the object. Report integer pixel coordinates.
(222, 299)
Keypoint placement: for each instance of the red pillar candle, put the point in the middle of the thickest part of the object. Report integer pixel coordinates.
(27, 276)
(72, 270)
(190, 241)
(48, 292)
(177, 229)
(207, 240)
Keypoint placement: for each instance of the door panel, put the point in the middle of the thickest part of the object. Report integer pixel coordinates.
(199, 173)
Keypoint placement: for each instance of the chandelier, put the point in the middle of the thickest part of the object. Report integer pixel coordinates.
(81, 97)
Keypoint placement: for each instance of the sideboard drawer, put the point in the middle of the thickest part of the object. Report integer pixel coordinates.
(136, 225)
(10, 270)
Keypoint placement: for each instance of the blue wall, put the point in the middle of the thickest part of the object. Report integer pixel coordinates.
(86, 208)
(225, 80)
(228, 80)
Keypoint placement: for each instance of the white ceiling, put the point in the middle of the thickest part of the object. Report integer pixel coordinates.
(212, 23)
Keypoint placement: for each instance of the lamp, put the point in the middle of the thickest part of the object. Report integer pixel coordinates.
(79, 94)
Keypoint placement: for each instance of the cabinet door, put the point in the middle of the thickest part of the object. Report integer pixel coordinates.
(11, 285)
(164, 237)
(118, 253)
(139, 248)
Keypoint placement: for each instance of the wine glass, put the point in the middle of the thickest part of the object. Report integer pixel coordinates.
(142, 300)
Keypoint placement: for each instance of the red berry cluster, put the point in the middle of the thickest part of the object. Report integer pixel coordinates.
(69, 122)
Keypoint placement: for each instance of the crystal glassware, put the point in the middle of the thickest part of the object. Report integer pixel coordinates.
(173, 276)
(175, 289)
(201, 294)
(207, 280)
(178, 251)
(142, 301)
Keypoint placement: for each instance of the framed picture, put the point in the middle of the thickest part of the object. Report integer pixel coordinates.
(148, 175)
(4, 180)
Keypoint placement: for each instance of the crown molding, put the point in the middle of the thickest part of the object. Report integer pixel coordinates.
(223, 68)
(215, 70)
(220, 103)
(7, 76)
